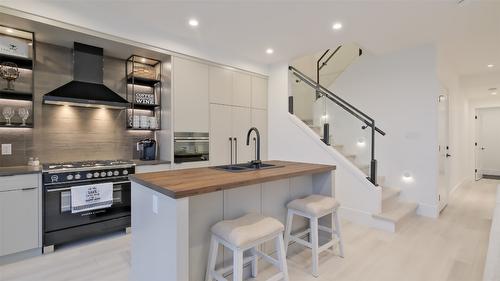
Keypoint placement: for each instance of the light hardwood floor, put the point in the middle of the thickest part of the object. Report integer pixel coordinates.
(451, 248)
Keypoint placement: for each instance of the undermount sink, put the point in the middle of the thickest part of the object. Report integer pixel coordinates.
(245, 167)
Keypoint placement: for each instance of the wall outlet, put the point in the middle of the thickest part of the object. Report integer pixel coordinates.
(155, 204)
(6, 149)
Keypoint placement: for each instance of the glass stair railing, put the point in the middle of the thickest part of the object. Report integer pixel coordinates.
(337, 122)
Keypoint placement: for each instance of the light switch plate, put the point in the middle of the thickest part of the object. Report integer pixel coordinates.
(6, 149)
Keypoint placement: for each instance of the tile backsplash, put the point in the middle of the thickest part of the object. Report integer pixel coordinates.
(65, 133)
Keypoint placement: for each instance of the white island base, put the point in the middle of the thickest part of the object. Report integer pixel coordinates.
(171, 237)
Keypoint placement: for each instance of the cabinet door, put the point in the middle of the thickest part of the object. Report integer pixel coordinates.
(242, 122)
(19, 221)
(259, 92)
(220, 131)
(190, 89)
(242, 89)
(220, 85)
(259, 120)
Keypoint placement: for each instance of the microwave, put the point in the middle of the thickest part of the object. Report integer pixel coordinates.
(191, 147)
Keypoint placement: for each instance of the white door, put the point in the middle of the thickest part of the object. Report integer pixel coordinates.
(241, 123)
(443, 151)
(220, 132)
(488, 148)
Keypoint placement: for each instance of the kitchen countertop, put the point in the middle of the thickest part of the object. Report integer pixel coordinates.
(190, 182)
(19, 170)
(149, 162)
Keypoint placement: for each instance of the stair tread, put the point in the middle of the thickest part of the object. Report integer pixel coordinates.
(396, 214)
(389, 192)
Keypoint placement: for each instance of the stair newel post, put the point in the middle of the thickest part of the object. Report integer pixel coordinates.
(373, 164)
(326, 133)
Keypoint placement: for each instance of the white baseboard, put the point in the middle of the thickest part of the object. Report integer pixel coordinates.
(463, 182)
(428, 210)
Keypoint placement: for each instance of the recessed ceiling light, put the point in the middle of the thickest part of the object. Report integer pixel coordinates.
(269, 51)
(494, 93)
(491, 65)
(193, 22)
(143, 60)
(30, 44)
(9, 30)
(337, 26)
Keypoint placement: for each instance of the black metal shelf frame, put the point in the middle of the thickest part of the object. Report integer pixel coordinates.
(135, 80)
(23, 63)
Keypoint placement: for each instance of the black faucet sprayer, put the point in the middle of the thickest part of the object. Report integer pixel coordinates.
(256, 163)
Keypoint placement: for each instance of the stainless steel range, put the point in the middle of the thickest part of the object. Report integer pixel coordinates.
(60, 224)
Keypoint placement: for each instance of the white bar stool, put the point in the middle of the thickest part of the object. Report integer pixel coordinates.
(314, 207)
(246, 233)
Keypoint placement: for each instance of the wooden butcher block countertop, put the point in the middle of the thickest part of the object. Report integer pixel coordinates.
(189, 182)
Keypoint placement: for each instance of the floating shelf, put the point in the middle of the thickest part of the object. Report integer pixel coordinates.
(25, 63)
(145, 106)
(142, 81)
(143, 129)
(15, 125)
(16, 95)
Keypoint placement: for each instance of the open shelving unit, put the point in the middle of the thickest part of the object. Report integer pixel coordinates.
(17, 47)
(144, 87)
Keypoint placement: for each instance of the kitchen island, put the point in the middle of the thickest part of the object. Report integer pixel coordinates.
(172, 211)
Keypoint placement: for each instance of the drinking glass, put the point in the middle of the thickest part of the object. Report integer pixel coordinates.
(8, 113)
(24, 114)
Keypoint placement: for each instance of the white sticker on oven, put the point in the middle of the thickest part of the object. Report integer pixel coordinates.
(91, 197)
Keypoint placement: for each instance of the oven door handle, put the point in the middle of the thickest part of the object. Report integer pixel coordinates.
(69, 188)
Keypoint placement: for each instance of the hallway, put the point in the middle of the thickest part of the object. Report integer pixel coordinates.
(452, 248)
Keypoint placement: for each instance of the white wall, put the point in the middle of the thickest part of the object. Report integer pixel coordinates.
(461, 161)
(290, 139)
(399, 90)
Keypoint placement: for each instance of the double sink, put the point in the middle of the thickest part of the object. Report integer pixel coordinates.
(245, 167)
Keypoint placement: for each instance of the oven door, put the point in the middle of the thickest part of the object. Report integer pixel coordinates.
(57, 206)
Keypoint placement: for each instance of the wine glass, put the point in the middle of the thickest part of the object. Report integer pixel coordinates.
(8, 113)
(24, 114)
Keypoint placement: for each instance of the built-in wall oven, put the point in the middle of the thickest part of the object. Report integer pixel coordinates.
(191, 147)
(60, 225)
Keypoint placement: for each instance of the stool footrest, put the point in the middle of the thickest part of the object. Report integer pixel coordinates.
(268, 258)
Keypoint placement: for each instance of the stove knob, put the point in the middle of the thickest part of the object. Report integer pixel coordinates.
(89, 175)
(96, 175)
(69, 177)
(77, 176)
(103, 174)
(125, 172)
(110, 174)
(116, 173)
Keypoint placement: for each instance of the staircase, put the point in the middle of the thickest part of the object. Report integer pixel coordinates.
(393, 211)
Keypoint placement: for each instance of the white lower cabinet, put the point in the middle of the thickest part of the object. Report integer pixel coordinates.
(20, 217)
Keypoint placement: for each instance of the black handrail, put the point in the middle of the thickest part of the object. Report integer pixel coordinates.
(338, 100)
(323, 64)
(367, 120)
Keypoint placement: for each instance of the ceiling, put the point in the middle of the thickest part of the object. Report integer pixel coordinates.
(468, 34)
(479, 86)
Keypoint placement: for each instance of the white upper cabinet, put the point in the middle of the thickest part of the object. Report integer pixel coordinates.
(259, 92)
(191, 102)
(220, 85)
(242, 89)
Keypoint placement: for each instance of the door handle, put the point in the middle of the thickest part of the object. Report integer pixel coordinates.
(235, 151)
(231, 149)
(482, 148)
(448, 155)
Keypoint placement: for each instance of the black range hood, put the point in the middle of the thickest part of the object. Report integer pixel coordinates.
(87, 88)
